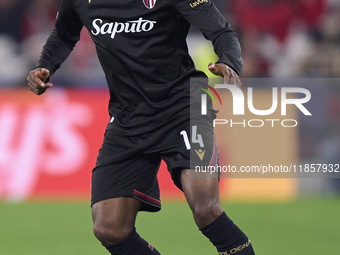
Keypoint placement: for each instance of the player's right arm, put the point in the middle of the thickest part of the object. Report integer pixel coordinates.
(57, 48)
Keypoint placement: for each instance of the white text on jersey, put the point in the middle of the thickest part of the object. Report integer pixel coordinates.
(114, 28)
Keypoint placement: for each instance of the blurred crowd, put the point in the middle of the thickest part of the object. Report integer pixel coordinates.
(279, 38)
(24, 28)
(288, 37)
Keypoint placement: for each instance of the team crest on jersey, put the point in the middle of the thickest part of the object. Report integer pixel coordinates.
(149, 3)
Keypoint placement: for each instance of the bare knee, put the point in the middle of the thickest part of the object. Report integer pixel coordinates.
(110, 233)
(114, 219)
(206, 212)
(202, 195)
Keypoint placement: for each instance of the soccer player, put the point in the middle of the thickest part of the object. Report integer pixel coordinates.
(141, 45)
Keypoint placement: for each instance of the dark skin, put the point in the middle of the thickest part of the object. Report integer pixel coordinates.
(114, 218)
(230, 76)
(36, 81)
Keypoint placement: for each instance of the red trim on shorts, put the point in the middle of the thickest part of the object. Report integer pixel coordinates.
(146, 199)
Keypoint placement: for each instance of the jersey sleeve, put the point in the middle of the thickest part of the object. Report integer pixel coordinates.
(204, 15)
(63, 38)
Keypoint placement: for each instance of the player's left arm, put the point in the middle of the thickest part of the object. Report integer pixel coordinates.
(204, 15)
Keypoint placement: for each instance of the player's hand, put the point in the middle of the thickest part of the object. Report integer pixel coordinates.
(230, 76)
(36, 80)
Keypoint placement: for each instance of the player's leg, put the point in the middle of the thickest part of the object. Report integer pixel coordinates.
(114, 219)
(113, 225)
(203, 198)
(123, 183)
(202, 195)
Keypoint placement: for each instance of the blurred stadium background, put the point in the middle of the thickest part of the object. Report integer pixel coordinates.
(48, 144)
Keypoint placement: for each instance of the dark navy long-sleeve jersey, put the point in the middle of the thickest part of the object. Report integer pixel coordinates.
(141, 45)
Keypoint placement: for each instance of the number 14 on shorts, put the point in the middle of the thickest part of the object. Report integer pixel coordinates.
(195, 138)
